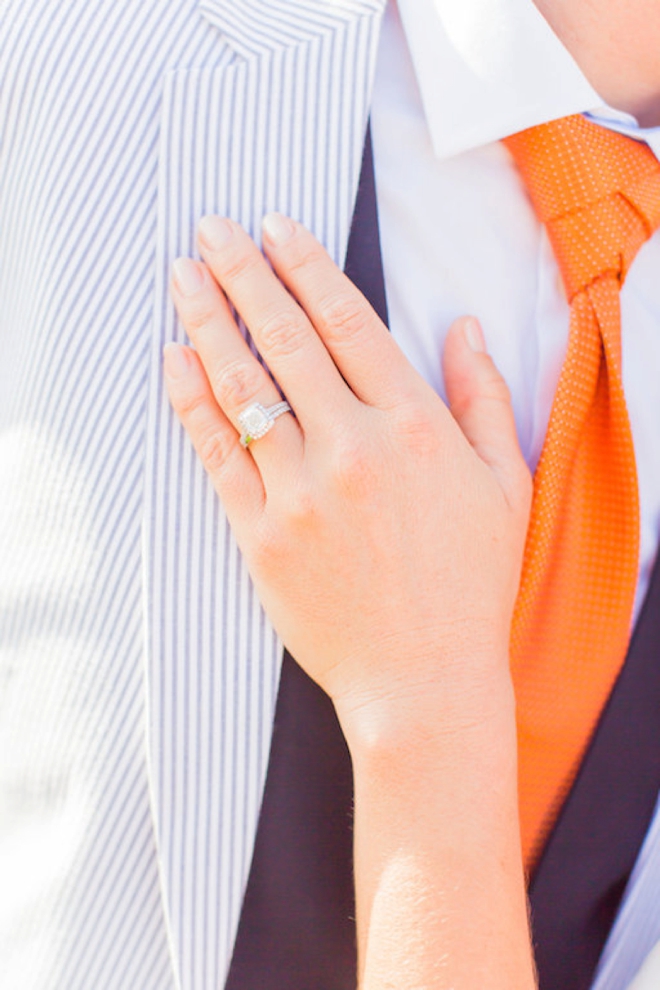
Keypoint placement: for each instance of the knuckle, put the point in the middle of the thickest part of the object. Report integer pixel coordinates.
(199, 316)
(214, 450)
(344, 315)
(490, 383)
(301, 508)
(236, 266)
(188, 401)
(352, 467)
(281, 334)
(303, 257)
(489, 388)
(417, 431)
(497, 389)
(236, 384)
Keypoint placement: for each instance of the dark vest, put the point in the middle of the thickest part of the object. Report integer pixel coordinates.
(297, 931)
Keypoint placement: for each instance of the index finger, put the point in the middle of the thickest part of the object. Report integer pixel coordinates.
(361, 346)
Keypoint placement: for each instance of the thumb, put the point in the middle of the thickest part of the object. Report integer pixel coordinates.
(480, 402)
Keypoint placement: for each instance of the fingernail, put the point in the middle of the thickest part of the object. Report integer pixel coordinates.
(473, 334)
(176, 362)
(278, 228)
(187, 275)
(215, 232)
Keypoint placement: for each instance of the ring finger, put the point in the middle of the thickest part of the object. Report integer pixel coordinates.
(237, 378)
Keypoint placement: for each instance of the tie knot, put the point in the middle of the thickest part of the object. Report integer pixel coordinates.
(597, 192)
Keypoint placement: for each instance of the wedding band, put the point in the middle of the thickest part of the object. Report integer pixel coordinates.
(257, 420)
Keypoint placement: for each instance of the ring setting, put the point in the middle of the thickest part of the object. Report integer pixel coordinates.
(257, 420)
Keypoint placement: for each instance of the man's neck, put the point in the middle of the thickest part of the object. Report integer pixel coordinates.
(616, 44)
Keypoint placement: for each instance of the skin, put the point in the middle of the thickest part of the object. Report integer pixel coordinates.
(407, 519)
(616, 45)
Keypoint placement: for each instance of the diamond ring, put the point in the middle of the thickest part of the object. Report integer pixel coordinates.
(257, 420)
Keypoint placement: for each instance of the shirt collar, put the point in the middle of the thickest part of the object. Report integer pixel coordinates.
(624, 123)
(489, 68)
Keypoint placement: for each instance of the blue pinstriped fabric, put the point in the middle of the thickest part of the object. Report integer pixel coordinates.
(259, 26)
(137, 671)
(270, 132)
(81, 94)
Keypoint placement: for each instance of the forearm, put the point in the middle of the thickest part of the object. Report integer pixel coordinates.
(350, 527)
(441, 899)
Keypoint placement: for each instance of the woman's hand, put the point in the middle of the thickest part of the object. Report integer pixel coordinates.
(384, 533)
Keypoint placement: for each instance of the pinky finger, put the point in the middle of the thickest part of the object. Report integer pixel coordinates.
(232, 470)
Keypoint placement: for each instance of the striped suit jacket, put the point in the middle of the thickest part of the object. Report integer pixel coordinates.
(138, 673)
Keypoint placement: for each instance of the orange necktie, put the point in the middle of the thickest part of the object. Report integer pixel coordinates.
(598, 193)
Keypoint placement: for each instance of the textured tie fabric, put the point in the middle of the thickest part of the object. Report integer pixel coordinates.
(598, 193)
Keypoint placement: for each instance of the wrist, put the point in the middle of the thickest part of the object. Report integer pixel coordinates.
(438, 843)
(457, 709)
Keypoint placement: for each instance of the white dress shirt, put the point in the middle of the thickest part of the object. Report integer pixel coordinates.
(457, 229)
(458, 235)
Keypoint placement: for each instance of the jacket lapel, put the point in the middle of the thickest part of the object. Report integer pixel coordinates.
(277, 122)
